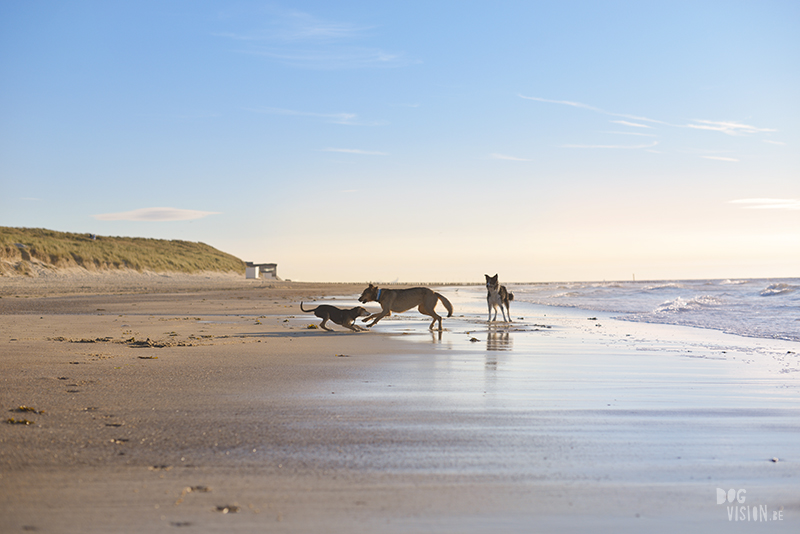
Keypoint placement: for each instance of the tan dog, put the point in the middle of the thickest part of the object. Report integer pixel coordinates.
(400, 300)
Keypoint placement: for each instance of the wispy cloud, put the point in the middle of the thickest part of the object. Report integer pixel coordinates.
(632, 133)
(634, 124)
(333, 59)
(719, 158)
(726, 127)
(779, 143)
(155, 215)
(350, 119)
(507, 158)
(291, 26)
(304, 41)
(595, 109)
(623, 147)
(356, 151)
(768, 203)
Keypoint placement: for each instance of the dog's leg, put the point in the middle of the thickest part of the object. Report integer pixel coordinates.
(378, 317)
(352, 326)
(489, 304)
(324, 322)
(423, 309)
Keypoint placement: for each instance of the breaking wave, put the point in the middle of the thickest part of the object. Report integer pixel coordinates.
(694, 304)
(777, 289)
(735, 306)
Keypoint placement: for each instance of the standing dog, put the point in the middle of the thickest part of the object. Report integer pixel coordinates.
(400, 300)
(341, 317)
(497, 296)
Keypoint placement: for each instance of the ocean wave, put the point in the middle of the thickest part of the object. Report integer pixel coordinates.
(736, 306)
(694, 304)
(670, 285)
(777, 289)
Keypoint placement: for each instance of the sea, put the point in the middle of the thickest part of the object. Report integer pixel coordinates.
(761, 308)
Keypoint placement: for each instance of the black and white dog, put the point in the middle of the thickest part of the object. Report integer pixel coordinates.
(497, 296)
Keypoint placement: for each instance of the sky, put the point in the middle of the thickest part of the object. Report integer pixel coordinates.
(413, 141)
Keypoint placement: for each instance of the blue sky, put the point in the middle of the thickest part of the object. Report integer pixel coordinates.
(414, 141)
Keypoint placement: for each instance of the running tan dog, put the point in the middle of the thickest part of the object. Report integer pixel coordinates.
(400, 300)
(337, 315)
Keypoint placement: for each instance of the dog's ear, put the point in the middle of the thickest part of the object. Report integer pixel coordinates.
(487, 276)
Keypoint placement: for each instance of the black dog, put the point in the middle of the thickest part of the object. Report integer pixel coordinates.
(337, 315)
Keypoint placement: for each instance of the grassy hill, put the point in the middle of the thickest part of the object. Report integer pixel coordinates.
(24, 251)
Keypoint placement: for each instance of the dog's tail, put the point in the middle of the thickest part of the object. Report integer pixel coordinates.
(510, 296)
(446, 304)
(307, 311)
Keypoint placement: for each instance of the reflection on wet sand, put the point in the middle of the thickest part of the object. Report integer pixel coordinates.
(497, 339)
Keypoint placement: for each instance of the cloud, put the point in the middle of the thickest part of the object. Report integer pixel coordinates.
(768, 203)
(780, 143)
(632, 133)
(301, 40)
(355, 151)
(507, 158)
(336, 59)
(349, 119)
(156, 215)
(626, 123)
(292, 26)
(730, 128)
(624, 147)
(726, 127)
(719, 158)
(596, 110)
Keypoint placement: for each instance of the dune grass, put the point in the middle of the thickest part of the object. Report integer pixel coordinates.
(19, 247)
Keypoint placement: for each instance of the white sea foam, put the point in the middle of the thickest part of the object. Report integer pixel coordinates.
(693, 304)
(756, 308)
(658, 287)
(777, 289)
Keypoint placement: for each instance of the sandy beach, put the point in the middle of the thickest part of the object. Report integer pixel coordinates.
(207, 404)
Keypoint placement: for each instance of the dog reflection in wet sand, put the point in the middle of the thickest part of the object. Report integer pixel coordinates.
(401, 300)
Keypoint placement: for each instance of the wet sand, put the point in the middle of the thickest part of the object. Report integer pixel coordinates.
(176, 404)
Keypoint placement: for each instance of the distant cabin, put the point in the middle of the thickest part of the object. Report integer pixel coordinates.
(254, 271)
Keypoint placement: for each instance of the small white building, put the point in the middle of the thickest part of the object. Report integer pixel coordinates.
(255, 271)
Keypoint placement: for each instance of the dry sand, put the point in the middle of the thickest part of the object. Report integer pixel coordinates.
(206, 404)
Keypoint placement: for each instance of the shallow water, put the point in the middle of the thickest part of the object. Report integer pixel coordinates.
(567, 394)
(768, 308)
